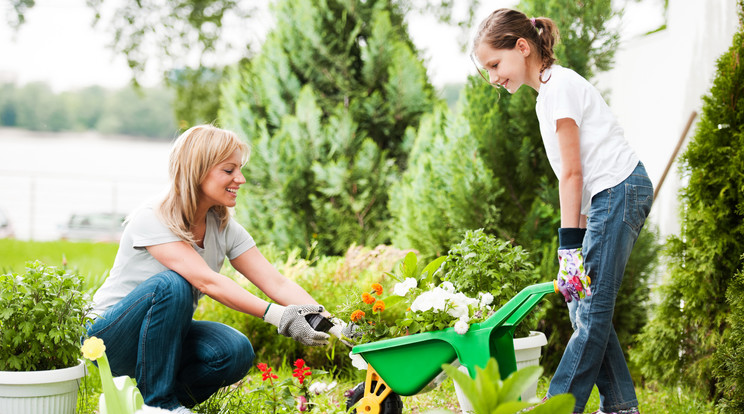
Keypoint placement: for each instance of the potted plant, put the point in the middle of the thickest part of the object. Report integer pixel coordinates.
(42, 316)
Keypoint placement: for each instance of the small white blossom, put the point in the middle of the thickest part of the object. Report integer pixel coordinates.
(469, 256)
(320, 387)
(448, 287)
(402, 288)
(357, 361)
(461, 327)
(486, 299)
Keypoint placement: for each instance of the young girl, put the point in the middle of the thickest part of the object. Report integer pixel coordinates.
(170, 255)
(605, 196)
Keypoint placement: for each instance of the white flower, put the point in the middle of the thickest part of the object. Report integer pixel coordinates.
(461, 327)
(402, 288)
(320, 387)
(448, 286)
(357, 361)
(434, 299)
(486, 299)
(468, 256)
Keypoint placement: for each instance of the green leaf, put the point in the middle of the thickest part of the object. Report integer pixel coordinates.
(558, 404)
(519, 381)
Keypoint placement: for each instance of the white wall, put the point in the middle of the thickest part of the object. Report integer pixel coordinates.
(659, 79)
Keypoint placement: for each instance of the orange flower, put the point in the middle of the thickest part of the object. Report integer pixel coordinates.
(379, 306)
(357, 315)
(377, 288)
(367, 298)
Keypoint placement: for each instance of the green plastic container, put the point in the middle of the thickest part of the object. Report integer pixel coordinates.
(408, 364)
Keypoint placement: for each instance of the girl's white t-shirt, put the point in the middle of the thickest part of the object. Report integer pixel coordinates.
(134, 264)
(606, 157)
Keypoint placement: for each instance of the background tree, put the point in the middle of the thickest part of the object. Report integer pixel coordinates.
(325, 105)
(683, 338)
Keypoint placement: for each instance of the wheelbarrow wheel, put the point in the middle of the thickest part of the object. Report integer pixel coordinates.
(392, 404)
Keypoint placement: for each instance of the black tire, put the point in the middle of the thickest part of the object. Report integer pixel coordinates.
(392, 404)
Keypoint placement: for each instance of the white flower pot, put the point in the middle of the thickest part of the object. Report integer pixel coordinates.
(527, 351)
(40, 392)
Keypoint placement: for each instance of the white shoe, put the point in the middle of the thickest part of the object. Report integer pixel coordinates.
(182, 410)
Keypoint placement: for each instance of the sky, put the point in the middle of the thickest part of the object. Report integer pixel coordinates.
(58, 45)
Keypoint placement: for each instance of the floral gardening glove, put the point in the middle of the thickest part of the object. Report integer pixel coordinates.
(290, 321)
(572, 281)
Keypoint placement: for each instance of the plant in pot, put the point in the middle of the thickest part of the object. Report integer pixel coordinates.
(42, 317)
(483, 263)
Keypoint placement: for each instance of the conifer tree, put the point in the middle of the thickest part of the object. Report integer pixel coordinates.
(683, 338)
(325, 106)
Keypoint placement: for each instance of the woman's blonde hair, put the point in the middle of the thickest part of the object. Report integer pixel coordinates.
(504, 27)
(193, 155)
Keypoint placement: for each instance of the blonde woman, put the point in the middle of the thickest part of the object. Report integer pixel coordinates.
(169, 256)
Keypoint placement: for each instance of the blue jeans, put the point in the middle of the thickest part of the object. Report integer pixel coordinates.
(150, 335)
(593, 354)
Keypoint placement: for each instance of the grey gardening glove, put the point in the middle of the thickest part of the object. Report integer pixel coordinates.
(290, 321)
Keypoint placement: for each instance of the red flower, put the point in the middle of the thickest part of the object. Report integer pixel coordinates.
(266, 371)
(301, 371)
(377, 288)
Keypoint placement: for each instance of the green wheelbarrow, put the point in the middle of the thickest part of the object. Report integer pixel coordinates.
(408, 365)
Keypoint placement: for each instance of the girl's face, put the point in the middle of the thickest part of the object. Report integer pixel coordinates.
(506, 67)
(220, 186)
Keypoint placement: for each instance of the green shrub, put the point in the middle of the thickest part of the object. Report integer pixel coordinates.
(42, 317)
(326, 105)
(729, 360)
(689, 325)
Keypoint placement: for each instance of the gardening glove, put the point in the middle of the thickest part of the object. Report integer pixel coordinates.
(572, 281)
(290, 321)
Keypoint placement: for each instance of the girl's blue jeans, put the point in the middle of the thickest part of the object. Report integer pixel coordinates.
(593, 354)
(150, 336)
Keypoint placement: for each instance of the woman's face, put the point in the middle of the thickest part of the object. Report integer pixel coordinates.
(220, 186)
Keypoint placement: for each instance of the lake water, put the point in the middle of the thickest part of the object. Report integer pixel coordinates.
(46, 177)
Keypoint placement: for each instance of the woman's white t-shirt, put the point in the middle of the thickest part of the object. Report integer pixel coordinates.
(606, 157)
(134, 264)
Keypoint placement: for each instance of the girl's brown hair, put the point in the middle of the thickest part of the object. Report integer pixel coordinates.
(504, 27)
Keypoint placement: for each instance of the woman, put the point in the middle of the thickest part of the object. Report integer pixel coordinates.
(169, 256)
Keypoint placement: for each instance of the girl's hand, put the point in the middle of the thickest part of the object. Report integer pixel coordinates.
(572, 280)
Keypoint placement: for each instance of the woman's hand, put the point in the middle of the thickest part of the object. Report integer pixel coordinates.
(290, 321)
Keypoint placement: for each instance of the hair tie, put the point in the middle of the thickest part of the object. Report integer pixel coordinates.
(532, 20)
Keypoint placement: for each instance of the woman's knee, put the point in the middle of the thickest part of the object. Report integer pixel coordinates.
(173, 287)
(243, 357)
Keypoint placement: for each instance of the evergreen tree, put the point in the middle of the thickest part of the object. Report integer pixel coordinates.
(326, 105)
(681, 341)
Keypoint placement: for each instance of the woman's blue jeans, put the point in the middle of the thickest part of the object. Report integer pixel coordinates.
(593, 354)
(150, 335)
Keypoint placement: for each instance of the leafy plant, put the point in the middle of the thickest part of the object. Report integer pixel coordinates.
(286, 396)
(488, 394)
(483, 263)
(42, 317)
